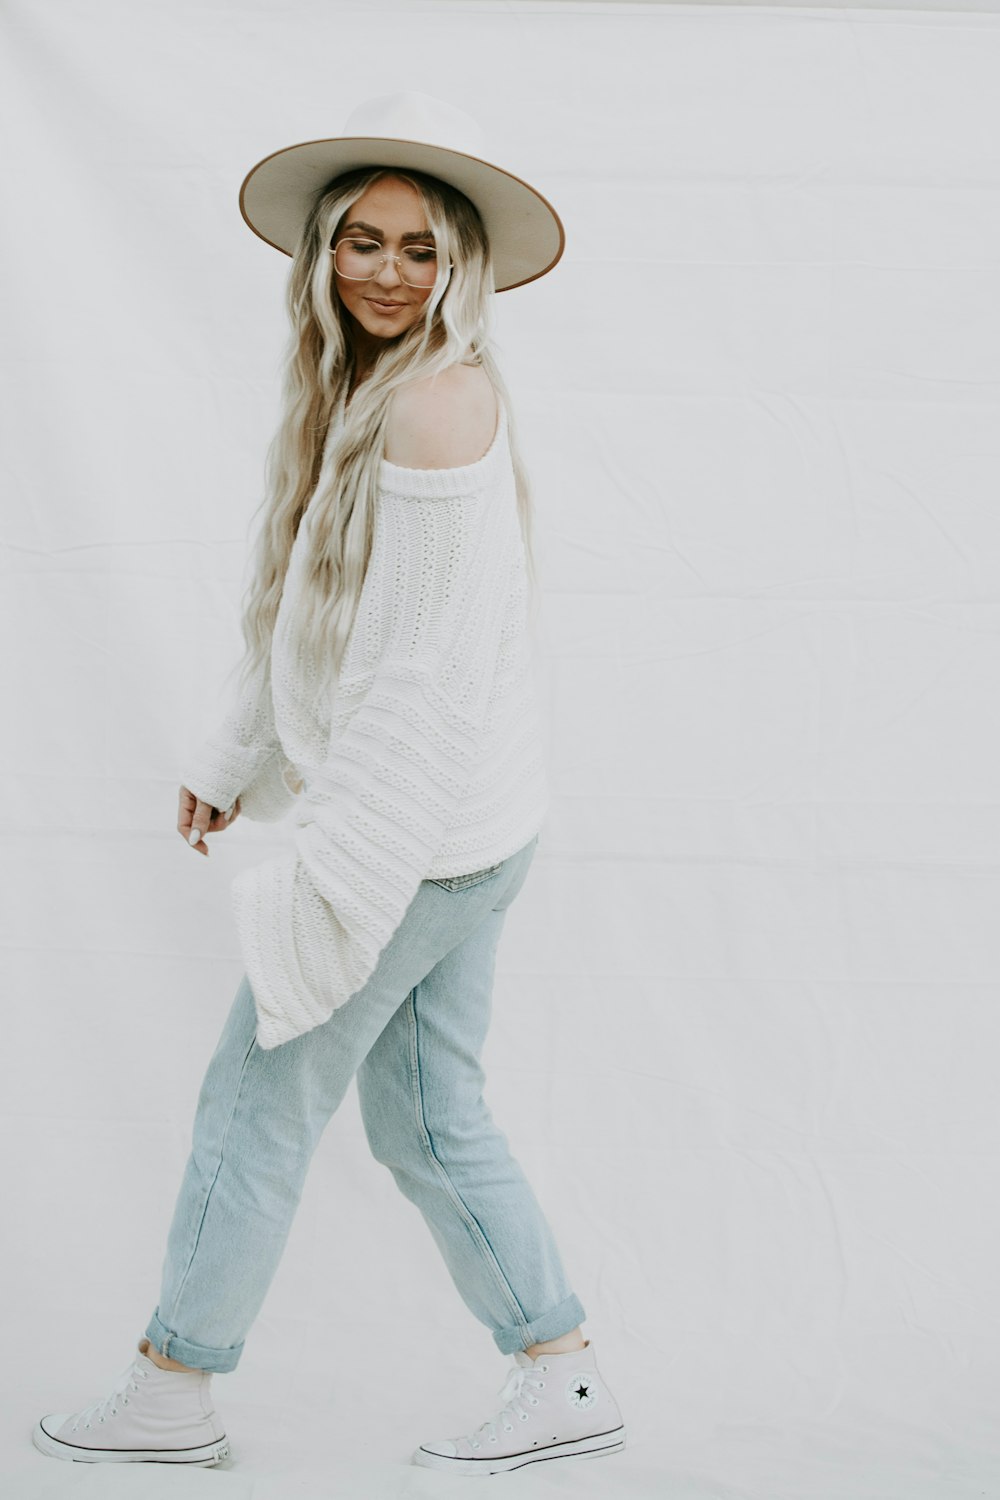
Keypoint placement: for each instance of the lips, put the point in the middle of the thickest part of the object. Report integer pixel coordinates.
(385, 306)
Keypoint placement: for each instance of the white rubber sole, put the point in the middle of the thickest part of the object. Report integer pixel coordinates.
(202, 1457)
(596, 1446)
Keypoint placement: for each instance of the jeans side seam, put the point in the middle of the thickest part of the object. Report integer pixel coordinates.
(427, 1144)
(204, 1208)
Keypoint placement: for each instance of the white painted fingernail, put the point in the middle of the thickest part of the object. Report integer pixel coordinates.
(194, 837)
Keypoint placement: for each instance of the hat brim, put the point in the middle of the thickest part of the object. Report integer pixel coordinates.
(525, 232)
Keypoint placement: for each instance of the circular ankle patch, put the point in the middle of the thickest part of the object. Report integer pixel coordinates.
(581, 1391)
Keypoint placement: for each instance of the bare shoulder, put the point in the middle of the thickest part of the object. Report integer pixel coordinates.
(442, 421)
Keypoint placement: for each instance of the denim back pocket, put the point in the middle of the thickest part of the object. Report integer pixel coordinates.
(462, 882)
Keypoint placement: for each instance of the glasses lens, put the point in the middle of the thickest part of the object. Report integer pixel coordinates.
(418, 265)
(360, 260)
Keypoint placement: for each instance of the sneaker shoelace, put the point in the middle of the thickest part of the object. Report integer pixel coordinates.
(106, 1404)
(514, 1395)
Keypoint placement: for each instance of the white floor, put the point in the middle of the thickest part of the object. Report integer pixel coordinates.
(289, 1456)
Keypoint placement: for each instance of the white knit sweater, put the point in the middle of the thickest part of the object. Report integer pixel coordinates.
(431, 763)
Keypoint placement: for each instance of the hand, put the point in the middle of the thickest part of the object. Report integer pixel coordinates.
(192, 813)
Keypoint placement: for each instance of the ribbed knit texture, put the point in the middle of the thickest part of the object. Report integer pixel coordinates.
(430, 763)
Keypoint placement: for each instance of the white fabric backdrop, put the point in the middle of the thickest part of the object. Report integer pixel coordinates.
(747, 1014)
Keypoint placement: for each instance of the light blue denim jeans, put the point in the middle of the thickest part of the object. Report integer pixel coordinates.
(413, 1035)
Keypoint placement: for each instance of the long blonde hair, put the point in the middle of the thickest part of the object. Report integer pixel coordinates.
(341, 491)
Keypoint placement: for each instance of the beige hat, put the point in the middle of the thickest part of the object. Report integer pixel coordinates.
(409, 130)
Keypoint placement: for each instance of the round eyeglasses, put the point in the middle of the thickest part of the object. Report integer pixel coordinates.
(360, 260)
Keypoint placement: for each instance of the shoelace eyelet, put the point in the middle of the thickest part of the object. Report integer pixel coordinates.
(507, 1429)
(523, 1415)
(493, 1437)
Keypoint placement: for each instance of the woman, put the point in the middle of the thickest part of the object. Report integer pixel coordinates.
(387, 695)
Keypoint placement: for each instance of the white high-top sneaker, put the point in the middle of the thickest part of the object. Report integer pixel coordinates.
(555, 1406)
(150, 1416)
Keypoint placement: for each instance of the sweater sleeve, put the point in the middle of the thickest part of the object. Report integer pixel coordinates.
(422, 652)
(243, 757)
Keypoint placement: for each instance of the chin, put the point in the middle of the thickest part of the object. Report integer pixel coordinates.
(384, 329)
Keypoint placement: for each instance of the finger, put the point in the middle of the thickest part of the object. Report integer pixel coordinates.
(224, 819)
(186, 803)
(200, 823)
(221, 819)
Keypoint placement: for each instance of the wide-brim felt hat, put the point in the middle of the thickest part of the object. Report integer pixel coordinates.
(403, 130)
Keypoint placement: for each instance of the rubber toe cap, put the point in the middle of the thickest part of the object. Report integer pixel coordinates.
(53, 1422)
(444, 1449)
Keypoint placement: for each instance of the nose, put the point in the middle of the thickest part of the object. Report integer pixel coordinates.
(389, 276)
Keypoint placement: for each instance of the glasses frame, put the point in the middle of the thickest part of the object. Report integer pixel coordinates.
(361, 240)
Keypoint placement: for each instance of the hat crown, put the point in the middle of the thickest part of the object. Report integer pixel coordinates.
(412, 116)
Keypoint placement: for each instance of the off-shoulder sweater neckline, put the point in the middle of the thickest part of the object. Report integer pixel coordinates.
(462, 479)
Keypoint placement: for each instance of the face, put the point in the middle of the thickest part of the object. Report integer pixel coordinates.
(389, 212)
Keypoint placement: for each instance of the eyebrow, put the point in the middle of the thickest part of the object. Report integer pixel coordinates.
(423, 234)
